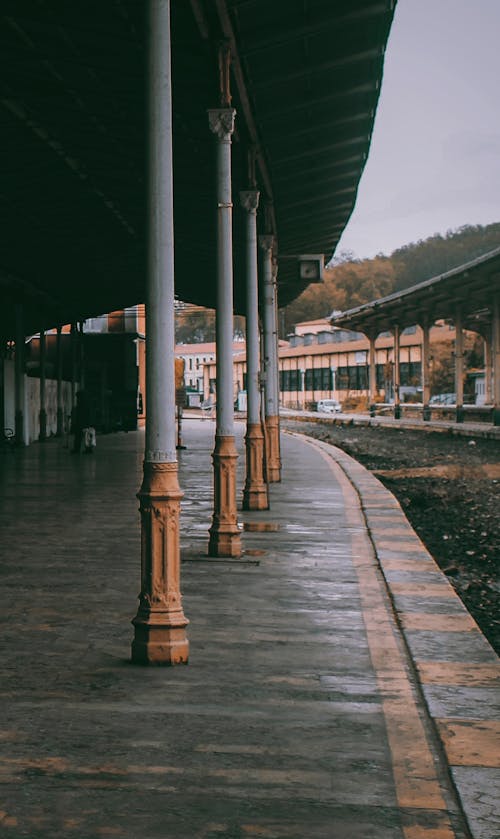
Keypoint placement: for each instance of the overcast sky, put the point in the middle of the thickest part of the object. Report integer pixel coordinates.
(434, 162)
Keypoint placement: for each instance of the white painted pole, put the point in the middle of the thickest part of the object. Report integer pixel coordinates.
(249, 202)
(160, 375)
(269, 321)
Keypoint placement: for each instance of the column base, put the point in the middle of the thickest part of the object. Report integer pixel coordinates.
(159, 645)
(224, 543)
(255, 495)
(160, 624)
(255, 499)
(225, 537)
(273, 464)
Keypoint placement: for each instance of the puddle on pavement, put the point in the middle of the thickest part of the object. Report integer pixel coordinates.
(261, 526)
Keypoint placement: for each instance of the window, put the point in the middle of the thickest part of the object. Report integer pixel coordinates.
(342, 378)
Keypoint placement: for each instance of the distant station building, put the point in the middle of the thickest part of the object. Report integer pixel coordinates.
(104, 355)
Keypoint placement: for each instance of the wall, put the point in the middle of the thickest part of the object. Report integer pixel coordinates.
(32, 403)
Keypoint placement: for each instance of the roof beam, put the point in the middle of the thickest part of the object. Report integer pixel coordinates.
(76, 166)
(325, 124)
(283, 36)
(319, 69)
(275, 110)
(321, 169)
(330, 148)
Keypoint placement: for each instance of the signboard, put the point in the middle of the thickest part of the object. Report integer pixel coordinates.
(180, 387)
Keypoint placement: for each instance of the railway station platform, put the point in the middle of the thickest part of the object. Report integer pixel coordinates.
(336, 688)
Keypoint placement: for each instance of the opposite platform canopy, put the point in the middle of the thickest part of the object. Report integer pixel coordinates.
(306, 76)
(470, 288)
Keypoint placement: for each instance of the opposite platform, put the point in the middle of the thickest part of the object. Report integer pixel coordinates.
(301, 713)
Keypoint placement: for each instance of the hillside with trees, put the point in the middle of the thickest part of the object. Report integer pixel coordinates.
(350, 282)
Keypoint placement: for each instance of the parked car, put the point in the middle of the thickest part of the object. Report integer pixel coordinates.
(443, 399)
(328, 406)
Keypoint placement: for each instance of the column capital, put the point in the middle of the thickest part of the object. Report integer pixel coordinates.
(221, 122)
(249, 199)
(266, 242)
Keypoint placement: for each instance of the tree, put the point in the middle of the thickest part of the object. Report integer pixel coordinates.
(349, 282)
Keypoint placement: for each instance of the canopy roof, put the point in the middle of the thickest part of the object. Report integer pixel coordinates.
(470, 287)
(306, 76)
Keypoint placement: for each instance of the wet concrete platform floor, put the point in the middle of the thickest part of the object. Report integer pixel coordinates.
(301, 712)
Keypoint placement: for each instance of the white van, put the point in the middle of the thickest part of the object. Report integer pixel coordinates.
(328, 406)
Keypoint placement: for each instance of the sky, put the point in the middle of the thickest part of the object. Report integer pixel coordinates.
(434, 162)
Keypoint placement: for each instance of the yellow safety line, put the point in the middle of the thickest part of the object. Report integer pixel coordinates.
(415, 778)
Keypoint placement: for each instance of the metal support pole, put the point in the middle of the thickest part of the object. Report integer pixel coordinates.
(372, 374)
(43, 411)
(271, 361)
(160, 624)
(397, 375)
(81, 357)
(495, 334)
(19, 391)
(255, 496)
(426, 370)
(73, 338)
(225, 538)
(488, 368)
(60, 421)
(459, 365)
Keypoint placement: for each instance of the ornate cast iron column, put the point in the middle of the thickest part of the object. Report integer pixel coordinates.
(19, 389)
(43, 412)
(160, 624)
(225, 539)
(74, 367)
(60, 424)
(271, 361)
(255, 491)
